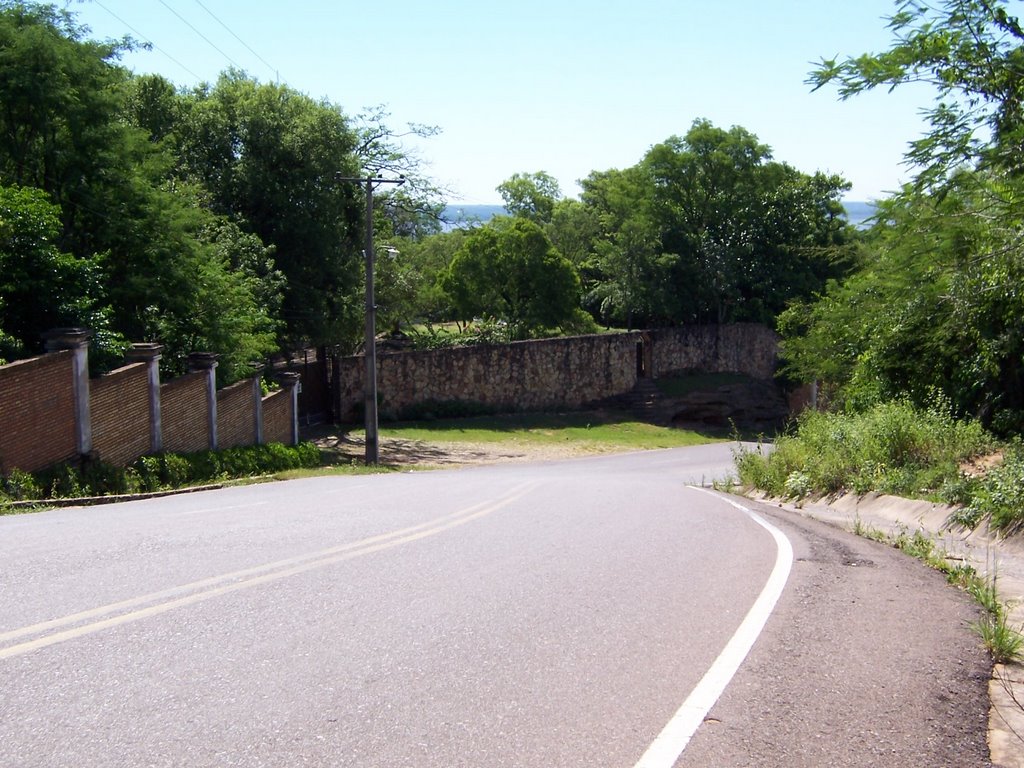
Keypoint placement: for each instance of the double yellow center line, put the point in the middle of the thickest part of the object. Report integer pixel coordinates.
(94, 620)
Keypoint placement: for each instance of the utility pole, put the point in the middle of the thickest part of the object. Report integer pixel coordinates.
(370, 352)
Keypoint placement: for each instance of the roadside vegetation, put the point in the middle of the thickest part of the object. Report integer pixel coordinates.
(899, 449)
(919, 351)
(155, 473)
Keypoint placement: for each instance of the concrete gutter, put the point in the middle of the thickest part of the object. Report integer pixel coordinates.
(992, 556)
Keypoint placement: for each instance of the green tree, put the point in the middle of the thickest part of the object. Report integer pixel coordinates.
(936, 307)
(409, 283)
(415, 209)
(625, 274)
(270, 159)
(708, 228)
(531, 195)
(509, 270)
(573, 230)
(140, 239)
(751, 234)
(933, 310)
(41, 287)
(972, 53)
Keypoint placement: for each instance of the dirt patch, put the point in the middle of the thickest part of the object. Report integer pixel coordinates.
(980, 465)
(340, 447)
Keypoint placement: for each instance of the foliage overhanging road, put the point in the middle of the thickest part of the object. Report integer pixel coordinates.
(550, 614)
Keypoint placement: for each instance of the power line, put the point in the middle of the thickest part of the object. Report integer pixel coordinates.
(146, 40)
(232, 33)
(194, 29)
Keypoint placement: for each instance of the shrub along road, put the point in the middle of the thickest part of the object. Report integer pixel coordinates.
(536, 614)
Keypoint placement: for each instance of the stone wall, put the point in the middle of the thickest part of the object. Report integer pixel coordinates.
(747, 348)
(522, 376)
(550, 373)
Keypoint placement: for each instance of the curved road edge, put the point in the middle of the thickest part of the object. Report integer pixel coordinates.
(672, 740)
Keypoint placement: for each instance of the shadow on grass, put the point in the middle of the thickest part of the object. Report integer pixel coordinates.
(546, 422)
(499, 437)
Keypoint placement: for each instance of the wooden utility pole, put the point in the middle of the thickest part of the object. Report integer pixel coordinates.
(370, 352)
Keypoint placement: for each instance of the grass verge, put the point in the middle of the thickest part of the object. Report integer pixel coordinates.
(586, 431)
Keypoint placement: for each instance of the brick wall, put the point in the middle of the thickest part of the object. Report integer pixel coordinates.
(119, 407)
(184, 415)
(236, 415)
(277, 417)
(37, 413)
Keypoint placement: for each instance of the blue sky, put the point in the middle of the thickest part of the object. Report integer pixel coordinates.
(562, 86)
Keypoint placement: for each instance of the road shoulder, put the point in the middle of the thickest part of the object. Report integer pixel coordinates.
(990, 555)
(868, 660)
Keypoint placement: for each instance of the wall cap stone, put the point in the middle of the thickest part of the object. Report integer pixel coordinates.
(66, 338)
(202, 361)
(144, 352)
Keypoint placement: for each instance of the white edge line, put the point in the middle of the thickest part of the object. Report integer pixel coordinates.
(670, 743)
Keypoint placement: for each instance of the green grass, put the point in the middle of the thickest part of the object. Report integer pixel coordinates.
(894, 448)
(583, 430)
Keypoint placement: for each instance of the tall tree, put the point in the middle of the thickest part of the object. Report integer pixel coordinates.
(41, 287)
(629, 276)
(943, 279)
(735, 219)
(972, 53)
(66, 129)
(531, 195)
(707, 228)
(271, 159)
(509, 270)
(415, 209)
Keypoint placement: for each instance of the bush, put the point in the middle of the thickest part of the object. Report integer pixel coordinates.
(891, 448)
(21, 486)
(999, 496)
(156, 472)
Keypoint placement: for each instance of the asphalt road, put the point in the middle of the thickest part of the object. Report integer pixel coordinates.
(557, 614)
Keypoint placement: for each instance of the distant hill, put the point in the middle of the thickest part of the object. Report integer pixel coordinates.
(463, 215)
